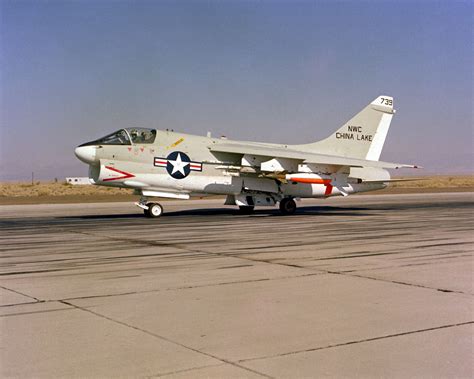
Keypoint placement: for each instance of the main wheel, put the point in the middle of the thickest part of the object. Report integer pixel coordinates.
(154, 210)
(246, 209)
(287, 206)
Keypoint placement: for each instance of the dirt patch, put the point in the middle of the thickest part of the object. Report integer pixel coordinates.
(48, 189)
(441, 181)
(408, 190)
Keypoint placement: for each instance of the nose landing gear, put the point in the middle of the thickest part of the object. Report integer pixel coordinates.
(150, 209)
(154, 210)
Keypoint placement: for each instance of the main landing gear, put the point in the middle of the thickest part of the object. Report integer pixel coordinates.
(287, 206)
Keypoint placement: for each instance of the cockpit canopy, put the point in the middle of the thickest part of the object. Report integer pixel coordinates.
(126, 136)
(141, 135)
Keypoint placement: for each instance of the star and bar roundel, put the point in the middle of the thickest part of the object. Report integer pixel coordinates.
(178, 164)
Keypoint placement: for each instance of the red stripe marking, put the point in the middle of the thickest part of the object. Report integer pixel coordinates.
(326, 182)
(328, 190)
(312, 181)
(125, 174)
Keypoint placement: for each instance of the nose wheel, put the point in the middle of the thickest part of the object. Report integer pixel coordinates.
(154, 210)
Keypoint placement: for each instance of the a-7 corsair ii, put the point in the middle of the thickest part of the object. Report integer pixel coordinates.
(174, 165)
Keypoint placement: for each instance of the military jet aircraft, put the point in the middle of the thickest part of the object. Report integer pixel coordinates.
(167, 164)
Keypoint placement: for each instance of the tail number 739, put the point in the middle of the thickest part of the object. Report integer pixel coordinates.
(385, 101)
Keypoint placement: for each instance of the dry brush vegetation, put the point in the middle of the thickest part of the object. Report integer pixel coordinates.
(57, 189)
(445, 181)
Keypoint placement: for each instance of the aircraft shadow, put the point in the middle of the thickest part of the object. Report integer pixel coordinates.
(104, 216)
(316, 211)
(301, 211)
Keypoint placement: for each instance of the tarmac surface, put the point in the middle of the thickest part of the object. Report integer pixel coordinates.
(365, 286)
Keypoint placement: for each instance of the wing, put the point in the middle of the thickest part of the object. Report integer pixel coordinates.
(277, 151)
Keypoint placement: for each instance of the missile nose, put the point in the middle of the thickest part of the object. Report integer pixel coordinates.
(87, 154)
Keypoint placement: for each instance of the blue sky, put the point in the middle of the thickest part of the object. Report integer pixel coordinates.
(276, 71)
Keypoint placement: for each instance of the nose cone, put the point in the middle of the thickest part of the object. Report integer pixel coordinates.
(87, 154)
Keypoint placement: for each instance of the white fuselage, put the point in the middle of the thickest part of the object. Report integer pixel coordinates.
(179, 166)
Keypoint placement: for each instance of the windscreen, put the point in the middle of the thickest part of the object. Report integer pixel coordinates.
(126, 137)
(117, 138)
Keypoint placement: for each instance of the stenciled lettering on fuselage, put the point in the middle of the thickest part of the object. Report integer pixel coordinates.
(178, 164)
(354, 133)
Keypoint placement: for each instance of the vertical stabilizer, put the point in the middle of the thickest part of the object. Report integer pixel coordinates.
(362, 136)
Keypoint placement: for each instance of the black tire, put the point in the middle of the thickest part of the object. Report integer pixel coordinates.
(154, 210)
(246, 209)
(287, 206)
(147, 213)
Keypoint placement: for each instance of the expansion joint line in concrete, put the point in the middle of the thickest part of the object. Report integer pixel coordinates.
(398, 282)
(189, 287)
(308, 269)
(189, 250)
(162, 338)
(161, 375)
(359, 341)
(20, 293)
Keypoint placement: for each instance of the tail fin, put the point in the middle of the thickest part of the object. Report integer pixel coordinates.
(363, 135)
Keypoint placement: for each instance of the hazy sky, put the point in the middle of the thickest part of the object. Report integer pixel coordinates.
(275, 71)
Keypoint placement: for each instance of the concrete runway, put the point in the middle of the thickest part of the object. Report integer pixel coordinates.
(365, 286)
